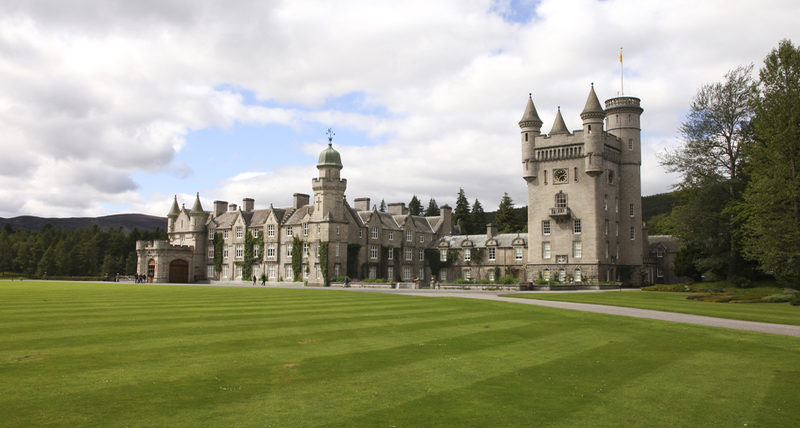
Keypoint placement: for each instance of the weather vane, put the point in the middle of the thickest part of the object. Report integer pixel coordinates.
(330, 134)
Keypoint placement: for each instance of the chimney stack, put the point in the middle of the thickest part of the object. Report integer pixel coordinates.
(220, 207)
(362, 204)
(248, 204)
(300, 199)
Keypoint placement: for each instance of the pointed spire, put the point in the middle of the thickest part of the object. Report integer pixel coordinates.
(593, 108)
(559, 126)
(530, 118)
(173, 212)
(197, 208)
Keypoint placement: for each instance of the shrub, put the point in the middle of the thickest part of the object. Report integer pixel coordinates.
(795, 300)
(508, 279)
(741, 282)
(778, 298)
(667, 287)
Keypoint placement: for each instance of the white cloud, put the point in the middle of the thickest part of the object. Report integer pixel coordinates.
(97, 92)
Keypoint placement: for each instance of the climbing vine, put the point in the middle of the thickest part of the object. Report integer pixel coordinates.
(251, 242)
(433, 257)
(323, 261)
(218, 242)
(297, 258)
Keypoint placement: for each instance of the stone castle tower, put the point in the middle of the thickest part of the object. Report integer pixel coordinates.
(584, 193)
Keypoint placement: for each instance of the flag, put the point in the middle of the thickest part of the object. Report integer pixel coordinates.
(620, 54)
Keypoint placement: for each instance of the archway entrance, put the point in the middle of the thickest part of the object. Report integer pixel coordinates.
(151, 270)
(179, 271)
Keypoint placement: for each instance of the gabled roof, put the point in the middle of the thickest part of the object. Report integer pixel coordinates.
(671, 243)
(300, 215)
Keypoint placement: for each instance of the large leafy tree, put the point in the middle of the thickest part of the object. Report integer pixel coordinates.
(478, 217)
(715, 134)
(461, 215)
(415, 206)
(505, 218)
(433, 208)
(771, 201)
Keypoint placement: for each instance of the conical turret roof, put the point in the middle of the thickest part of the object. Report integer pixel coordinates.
(530, 118)
(197, 208)
(593, 108)
(173, 212)
(559, 126)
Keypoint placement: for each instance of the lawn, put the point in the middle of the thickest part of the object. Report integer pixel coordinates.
(135, 355)
(780, 313)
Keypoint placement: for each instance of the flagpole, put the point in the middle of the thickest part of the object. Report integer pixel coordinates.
(621, 74)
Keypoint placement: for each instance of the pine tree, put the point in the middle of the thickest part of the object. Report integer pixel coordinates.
(478, 217)
(415, 206)
(433, 208)
(504, 220)
(461, 213)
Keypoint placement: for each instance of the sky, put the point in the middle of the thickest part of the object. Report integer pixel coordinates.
(111, 107)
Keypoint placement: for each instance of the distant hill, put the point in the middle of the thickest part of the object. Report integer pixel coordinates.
(658, 204)
(127, 222)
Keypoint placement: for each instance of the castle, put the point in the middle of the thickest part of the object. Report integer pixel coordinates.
(584, 222)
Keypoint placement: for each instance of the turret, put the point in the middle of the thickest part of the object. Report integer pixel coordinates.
(197, 214)
(592, 116)
(329, 187)
(173, 214)
(530, 127)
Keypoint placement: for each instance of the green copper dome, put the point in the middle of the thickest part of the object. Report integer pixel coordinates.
(330, 157)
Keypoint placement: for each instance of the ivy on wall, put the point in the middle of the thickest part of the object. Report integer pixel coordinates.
(323, 261)
(297, 258)
(433, 257)
(251, 242)
(218, 242)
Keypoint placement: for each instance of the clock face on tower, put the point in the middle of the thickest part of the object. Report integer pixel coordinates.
(560, 175)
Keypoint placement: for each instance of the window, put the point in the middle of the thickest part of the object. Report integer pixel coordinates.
(610, 177)
(659, 272)
(239, 232)
(272, 271)
(210, 234)
(237, 271)
(605, 202)
(409, 254)
(271, 251)
(633, 233)
(576, 226)
(467, 255)
(562, 275)
(576, 276)
(305, 249)
(374, 234)
(360, 233)
(605, 227)
(225, 234)
(409, 236)
(546, 227)
(421, 238)
(210, 272)
(289, 231)
(373, 272)
(518, 253)
(545, 176)
(305, 229)
(421, 254)
(211, 252)
(390, 253)
(442, 255)
(630, 210)
(616, 205)
(577, 249)
(319, 270)
(606, 249)
(406, 273)
(491, 275)
(546, 274)
(305, 271)
(468, 274)
(630, 143)
(617, 250)
(617, 230)
(225, 252)
(526, 136)
(575, 175)
(421, 275)
(390, 273)
(561, 200)
(373, 252)
(224, 271)
(336, 270)
(442, 275)
(391, 235)
(271, 230)
(239, 251)
(255, 251)
(659, 252)
(546, 250)
(337, 229)
(492, 254)
(288, 273)
(289, 250)
(336, 250)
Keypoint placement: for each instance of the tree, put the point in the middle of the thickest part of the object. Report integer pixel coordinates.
(415, 206)
(383, 206)
(771, 201)
(461, 213)
(505, 218)
(433, 208)
(478, 217)
(715, 134)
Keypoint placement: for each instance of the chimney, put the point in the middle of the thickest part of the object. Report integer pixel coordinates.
(397, 208)
(220, 207)
(362, 204)
(248, 204)
(491, 231)
(231, 207)
(300, 199)
(446, 213)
